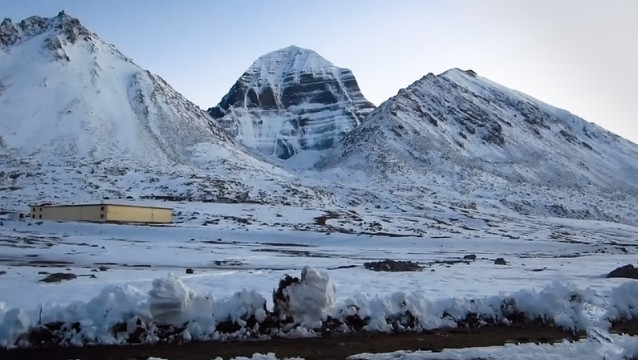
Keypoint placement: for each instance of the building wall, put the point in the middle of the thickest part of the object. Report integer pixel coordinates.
(103, 212)
(69, 213)
(119, 213)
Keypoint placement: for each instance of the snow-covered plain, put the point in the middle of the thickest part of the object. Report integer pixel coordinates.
(239, 252)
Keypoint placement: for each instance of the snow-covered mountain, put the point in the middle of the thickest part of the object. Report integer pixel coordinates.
(292, 101)
(66, 93)
(458, 131)
(79, 121)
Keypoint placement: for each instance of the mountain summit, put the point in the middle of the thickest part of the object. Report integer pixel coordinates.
(65, 27)
(292, 101)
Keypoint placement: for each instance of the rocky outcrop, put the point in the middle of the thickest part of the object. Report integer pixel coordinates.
(627, 271)
(68, 27)
(292, 100)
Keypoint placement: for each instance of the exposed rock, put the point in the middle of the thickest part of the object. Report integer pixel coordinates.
(500, 261)
(393, 266)
(58, 277)
(69, 29)
(8, 33)
(627, 271)
(280, 296)
(469, 257)
(190, 271)
(292, 100)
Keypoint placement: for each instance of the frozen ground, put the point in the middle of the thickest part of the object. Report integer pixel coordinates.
(235, 247)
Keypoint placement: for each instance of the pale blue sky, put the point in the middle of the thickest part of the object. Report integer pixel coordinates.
(580, 55)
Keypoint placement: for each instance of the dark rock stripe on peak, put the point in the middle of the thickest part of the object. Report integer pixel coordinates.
(292, 100)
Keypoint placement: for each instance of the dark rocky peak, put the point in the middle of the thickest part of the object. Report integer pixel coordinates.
(292, 100)
(70, 27)
(277, 80)
(62, 24)
(8, 33)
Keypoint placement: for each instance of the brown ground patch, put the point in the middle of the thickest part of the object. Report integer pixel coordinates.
(329, 347)
(629, 327)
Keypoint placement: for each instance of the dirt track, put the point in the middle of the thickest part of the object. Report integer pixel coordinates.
(332, 347)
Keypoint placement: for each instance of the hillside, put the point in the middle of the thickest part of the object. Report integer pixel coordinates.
(460, 133)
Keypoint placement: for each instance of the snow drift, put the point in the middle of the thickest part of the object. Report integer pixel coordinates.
(172, 312)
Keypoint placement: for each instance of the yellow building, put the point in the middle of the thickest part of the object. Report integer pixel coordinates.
(116, 213)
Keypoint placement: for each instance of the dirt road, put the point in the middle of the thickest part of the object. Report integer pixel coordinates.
(331, 347)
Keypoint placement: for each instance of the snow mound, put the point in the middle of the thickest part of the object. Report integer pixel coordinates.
(624, 300)
(307, 300)
(413, 312)
(15, 322)
(172, 302)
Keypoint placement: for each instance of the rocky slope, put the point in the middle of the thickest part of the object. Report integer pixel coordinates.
(463, 133)
(292, 101)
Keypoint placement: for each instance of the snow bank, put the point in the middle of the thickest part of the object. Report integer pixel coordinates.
(557, 303)
(14, 323)
(171, 311)
(309, 299)
(172, 302)
(624, 302)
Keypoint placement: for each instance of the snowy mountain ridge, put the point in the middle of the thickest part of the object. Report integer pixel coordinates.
(81, 121)
(456, 176)
(68, 29)
(459, 132)
(103, 103)
(292, 101)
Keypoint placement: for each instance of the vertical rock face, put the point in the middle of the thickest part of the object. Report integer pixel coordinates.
(290, 101)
